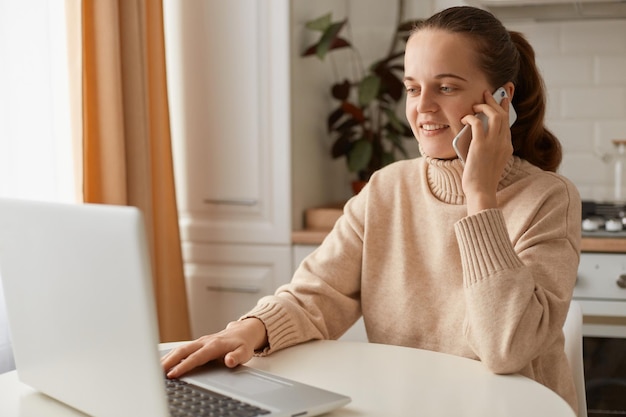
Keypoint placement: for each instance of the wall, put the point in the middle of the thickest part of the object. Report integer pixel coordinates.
(584, 67)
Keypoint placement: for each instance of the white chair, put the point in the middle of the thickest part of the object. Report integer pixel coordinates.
(7, 362)
(573, 330)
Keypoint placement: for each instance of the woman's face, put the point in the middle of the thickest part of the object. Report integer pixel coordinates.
(443, 82)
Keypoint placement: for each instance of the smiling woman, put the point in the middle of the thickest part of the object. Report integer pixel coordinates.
(431, 250)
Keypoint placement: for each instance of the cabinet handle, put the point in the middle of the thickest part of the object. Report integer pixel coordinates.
(241, 289)
(232, 202)
(621, 281)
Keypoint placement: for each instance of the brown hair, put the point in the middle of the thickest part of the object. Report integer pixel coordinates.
(507, 56)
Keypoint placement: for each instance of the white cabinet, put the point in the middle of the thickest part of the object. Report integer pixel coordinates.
(228, 86)
(225, 281)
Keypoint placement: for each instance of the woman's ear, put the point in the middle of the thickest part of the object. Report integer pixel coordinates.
(510, 89)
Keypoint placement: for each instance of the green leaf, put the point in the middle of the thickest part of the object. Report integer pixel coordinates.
(394, 121)
(328, 39)
(360, 155)
(320, 24)
(387, 158)
(368, 89)
(396, 142)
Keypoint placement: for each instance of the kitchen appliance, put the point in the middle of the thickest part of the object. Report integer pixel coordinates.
(601, 291)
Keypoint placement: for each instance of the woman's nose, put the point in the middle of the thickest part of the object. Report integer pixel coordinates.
(426, 102)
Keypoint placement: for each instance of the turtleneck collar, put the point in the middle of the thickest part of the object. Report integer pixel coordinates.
(445, 176)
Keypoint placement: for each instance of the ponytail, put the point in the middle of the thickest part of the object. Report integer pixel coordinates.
(531, 139)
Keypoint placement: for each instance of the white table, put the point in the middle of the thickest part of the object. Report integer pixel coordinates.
(382, 380)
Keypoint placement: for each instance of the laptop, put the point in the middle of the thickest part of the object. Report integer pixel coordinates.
(82, 316)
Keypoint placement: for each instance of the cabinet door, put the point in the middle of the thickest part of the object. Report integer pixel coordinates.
(228, 84)
(226, 281)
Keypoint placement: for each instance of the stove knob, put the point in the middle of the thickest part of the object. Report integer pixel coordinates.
(613, 225)
(621, 281)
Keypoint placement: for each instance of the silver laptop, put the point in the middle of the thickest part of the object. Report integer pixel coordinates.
(82, 316)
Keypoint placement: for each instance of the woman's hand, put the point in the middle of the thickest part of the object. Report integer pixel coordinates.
(236, 344)
(488, 154)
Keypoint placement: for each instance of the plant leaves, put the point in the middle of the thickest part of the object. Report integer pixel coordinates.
(353, 110)
(335, 44)
(396, 142)
(341, 146)
(392, 84)
(320, 24)
(311, 50)
(347, 125)
(395, 123)
(328, 39)
(387, 158)
(334, 117)
(406, 131)
(368, 89)
(340, 43)
(360, 155)
(341, 91)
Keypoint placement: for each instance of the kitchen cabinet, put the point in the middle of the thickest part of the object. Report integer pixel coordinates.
(225, 281)
(228, 86)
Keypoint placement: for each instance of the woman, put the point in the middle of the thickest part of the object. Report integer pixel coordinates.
(477, 259)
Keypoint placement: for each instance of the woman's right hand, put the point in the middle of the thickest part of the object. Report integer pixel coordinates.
(488, 155)
(236, 344)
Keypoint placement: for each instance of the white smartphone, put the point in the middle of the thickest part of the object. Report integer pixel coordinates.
(461, 142)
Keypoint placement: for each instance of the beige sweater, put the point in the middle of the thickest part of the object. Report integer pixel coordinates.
(494, 287)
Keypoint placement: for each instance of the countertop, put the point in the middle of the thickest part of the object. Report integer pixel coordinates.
(319, 221)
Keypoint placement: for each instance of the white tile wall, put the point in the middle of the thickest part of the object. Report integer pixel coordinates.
(584, 67)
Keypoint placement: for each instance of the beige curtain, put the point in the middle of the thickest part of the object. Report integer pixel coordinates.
(127, 157)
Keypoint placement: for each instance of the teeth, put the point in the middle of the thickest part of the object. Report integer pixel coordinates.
(432, 127)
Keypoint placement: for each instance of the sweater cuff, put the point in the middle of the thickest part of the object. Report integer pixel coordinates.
(485, 245)
(281, 333)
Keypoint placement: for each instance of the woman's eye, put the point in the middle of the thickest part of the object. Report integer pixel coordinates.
(446, 89)
(412, 91)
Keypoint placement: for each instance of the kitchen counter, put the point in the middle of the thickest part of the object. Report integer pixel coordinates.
(319, 221)
(607, 245)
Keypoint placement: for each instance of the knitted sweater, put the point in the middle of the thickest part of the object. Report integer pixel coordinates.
(493, 287)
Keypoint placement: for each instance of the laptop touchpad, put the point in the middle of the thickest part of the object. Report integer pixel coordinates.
(244, 381)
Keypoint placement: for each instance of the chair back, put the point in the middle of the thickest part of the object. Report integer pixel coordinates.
(573, 330)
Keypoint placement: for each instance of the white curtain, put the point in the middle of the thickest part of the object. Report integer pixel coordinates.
(35, 128)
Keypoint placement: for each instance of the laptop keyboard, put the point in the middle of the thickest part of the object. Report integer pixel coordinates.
(187, 400)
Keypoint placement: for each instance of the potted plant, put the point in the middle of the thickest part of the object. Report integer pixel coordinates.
(364, 123)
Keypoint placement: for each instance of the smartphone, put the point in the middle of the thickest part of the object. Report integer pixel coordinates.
(461, 142)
